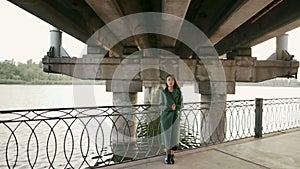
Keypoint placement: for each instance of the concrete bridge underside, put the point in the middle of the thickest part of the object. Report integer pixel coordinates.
(231, 26)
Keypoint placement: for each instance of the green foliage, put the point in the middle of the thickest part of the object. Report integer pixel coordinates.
(29, 72)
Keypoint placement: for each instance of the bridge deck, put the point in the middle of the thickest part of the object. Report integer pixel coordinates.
(279, 150)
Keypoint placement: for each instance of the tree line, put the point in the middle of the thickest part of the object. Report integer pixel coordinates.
(28, 73)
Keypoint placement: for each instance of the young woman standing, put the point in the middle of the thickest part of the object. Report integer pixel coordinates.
(171, 101)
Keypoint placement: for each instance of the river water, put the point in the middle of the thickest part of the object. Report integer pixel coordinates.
(14, 97)
(59, 96)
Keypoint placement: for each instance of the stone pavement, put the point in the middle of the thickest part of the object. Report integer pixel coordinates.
(279, 150)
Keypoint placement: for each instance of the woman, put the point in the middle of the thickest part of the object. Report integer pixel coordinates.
(170, 100)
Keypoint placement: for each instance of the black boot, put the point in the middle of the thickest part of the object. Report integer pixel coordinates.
(168, 159)
(172, 159)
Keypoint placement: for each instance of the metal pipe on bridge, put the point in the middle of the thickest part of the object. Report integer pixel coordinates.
(281, 45)
(55, 41)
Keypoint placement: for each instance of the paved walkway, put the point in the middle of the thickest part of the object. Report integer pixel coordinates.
(279, 151)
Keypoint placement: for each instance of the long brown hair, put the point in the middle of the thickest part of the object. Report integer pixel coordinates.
(175, 81)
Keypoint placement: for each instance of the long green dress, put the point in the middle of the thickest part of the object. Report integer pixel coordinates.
(170, 120)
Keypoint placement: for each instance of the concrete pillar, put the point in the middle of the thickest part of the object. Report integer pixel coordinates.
(281, 44)
(150, 92)
(127, 122)
(213, 126)
(155, 93)
(147, 94)
(55, 41)
(125, 126)
(152, 118)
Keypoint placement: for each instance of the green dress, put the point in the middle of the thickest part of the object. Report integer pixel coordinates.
(170, 119)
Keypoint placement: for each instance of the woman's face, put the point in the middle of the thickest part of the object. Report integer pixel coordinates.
(170, 81)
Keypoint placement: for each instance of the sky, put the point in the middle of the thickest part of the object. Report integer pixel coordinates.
(23, 36)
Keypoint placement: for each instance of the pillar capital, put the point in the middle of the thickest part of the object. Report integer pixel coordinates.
(214, 87)
(124, 86)
(239, 52)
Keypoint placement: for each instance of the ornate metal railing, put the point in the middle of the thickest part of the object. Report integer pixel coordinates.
(280, 114)
(100, 136)
(240, 119)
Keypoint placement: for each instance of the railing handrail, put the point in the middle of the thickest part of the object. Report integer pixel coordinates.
(70, 108)
(3, 111)
(134, 105)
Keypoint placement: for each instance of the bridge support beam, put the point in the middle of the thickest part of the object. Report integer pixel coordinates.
(240, 69)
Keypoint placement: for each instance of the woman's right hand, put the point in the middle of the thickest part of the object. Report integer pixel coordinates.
(173, 107)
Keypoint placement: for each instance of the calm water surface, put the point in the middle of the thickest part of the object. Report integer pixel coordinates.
(57, 96)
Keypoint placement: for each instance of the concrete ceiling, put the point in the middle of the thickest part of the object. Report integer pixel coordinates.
(229, 24)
